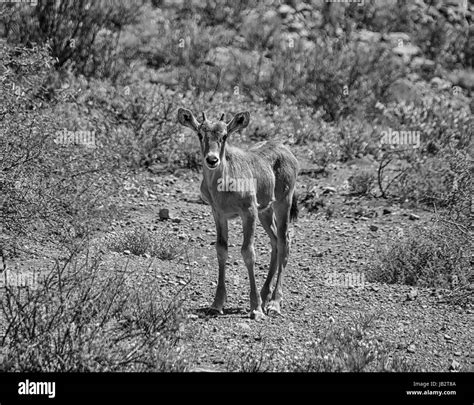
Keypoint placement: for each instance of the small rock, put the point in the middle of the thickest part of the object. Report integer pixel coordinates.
(127, 252)
(328, 190)
(193, 316)
(182, 236)
(414, 217)
(447, 337)
(369, 36)
(422, 63)
(441, 84)
(411, 296)
(285, 9)
(457, 354)
(386, 211)
(147, 256)
(374, 288)
(411, 348)
(164, 214)
(373, 228)
(454, 366)
(176, 220)
(243, 325)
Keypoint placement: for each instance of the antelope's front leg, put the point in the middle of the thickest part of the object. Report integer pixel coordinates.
(249, 218)
(221, 248)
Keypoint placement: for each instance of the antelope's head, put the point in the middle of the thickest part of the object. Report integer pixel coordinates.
(213, 135)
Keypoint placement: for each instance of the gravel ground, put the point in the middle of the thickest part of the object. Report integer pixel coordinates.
(420, 327)
(416, 324)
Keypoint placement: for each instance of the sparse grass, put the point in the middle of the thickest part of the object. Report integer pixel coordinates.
(350, 348)
(138, 241)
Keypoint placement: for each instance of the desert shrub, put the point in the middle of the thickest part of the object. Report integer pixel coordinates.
(81, 33)
(361, 183)
(426, 174)
(140, 242)
(434, 256)
(138, 123)
(441, 30)
(340, 76)
(443, 33)
(440, 120)
(85, 316)
(53, 190)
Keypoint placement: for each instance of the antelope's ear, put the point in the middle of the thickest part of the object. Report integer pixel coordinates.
(240, 121)
(186, 118)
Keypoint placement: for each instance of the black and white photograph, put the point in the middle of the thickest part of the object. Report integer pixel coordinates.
(237, 193)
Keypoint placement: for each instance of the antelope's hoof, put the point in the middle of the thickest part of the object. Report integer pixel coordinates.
(257, 314)
(214, 311)
(273, 308)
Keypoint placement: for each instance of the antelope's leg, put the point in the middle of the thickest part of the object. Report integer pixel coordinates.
(221, 249)
(249, 220)
(267, 219)
(282, 214)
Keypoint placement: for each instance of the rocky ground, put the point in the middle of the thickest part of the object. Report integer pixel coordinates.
(418, 324)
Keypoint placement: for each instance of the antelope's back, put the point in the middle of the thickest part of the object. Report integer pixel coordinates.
(282, 162)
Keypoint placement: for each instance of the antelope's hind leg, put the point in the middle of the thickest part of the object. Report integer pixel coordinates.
(267, 219)
(282, 216)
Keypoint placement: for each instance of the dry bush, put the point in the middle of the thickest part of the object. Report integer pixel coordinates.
(85, 316)
(81, 33)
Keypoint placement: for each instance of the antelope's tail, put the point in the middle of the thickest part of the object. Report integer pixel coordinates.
(294, 208)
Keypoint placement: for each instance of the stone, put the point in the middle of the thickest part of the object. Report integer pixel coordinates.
(406, 51)
(243, 325)
(284, 10)
(440, 84)
(164, 214)
(369, 36)
(328, 190)
(422, 63)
